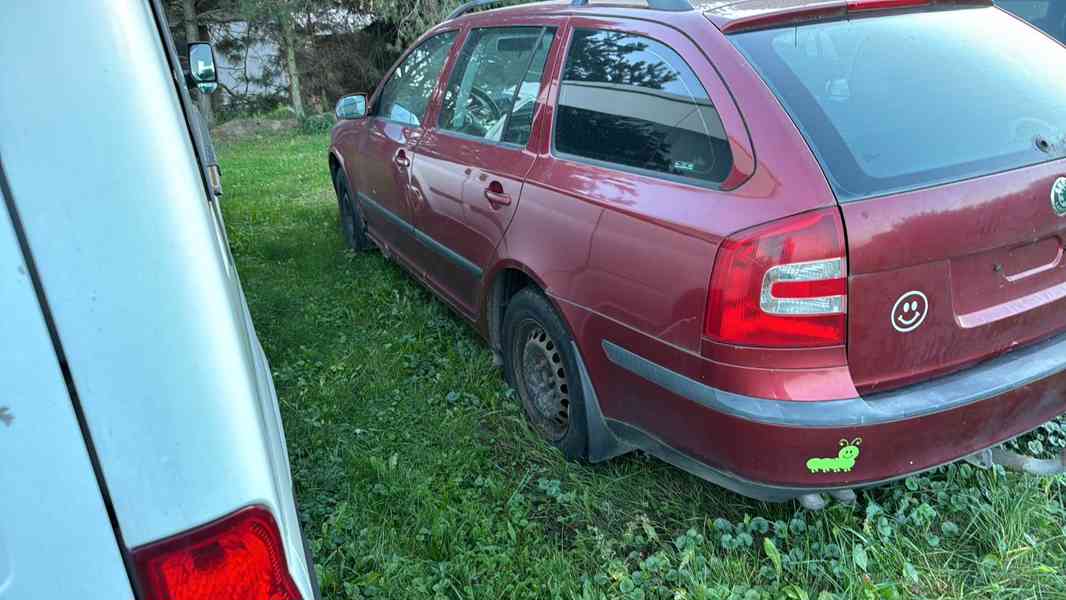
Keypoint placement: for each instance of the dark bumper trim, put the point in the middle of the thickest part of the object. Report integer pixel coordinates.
(987, 380)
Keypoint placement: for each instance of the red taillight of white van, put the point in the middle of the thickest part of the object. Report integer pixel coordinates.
(781, 285)
(239, 557)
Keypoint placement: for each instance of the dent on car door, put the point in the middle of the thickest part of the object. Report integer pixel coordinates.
(394, 128)
(469, 169)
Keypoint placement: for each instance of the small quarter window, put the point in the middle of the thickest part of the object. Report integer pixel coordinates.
(494, 86)
(631, 101)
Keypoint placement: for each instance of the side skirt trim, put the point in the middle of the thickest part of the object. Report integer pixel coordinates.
(421, 236)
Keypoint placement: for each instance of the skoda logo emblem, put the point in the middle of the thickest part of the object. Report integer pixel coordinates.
(1058, 196)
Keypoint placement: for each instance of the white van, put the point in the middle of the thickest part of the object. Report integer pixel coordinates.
(141, 447)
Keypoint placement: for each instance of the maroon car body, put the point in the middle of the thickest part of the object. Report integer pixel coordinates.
(628, 259)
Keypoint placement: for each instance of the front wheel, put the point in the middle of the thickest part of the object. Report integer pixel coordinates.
(353, 226)
(540, 363)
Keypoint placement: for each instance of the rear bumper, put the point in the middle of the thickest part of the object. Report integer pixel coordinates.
(775, 450)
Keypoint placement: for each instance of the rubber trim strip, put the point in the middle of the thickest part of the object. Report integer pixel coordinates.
(988, 380)
(422, 238)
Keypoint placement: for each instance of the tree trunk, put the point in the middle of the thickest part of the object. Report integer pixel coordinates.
(192, 34)
(188, 9)
(289, 32)
(208, 102)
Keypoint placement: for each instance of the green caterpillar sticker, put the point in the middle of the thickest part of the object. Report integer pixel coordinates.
(843, 462)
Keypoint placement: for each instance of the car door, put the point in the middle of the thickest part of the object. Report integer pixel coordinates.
(468, 169)
(393, 129)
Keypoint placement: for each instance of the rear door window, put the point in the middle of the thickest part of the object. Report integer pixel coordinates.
(406, 95)
(495, 83)
(900, 102)
(630, 101)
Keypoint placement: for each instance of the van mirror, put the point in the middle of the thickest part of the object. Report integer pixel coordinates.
(202, 67)
(352, 106)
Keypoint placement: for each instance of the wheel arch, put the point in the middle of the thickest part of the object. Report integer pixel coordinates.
(504, 282)
(507, 278)
(336, 163)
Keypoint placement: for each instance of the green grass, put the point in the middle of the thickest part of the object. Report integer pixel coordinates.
(418, 478)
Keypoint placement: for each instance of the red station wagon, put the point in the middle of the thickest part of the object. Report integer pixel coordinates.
(791, 247)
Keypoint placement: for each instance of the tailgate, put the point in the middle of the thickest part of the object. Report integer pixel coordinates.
(933, 291)
(944, 146)
(56, 540)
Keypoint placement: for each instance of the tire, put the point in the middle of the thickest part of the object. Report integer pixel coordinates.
(540, 364)
(353, 226)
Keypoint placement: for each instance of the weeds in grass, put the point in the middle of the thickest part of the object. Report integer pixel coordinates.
(418, 478)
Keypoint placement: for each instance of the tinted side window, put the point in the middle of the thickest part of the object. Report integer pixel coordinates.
(406, 95)
(495, 83)
(632, 101)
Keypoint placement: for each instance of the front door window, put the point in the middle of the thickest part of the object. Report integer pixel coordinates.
(406, 95)
(493, 90)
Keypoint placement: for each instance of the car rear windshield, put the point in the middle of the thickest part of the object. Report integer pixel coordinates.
(900, 102)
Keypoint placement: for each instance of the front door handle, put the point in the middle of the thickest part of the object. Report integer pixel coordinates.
(401, 160)
(496, 196)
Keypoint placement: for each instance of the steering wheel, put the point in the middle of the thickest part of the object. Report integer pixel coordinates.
(482, 109)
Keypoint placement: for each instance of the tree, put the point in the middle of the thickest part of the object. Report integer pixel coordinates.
(282, 17)
(324, 47)
(411, 18)
(191, 24)
(189, 20)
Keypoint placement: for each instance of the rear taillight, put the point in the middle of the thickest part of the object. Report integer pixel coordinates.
(781, 285)
(238, 557)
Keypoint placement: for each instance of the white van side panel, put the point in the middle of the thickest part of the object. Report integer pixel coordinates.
(176, 394)
(56, 540)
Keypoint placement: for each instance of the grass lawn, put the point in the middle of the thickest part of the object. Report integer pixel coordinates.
(418, 478)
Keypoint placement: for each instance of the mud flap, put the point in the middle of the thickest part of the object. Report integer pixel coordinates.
(603, 445)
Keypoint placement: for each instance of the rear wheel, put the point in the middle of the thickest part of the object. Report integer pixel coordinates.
(540, 363)
(353, 226)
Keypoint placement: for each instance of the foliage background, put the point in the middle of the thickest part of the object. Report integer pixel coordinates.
(324, 48)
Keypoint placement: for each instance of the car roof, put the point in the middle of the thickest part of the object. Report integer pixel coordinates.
(727, 15)
(737, 15)
(645, 9)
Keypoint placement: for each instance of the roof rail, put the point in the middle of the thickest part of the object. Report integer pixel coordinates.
(673, 5)
(469, 6)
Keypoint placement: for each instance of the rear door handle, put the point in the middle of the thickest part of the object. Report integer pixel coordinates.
(496, 196)
(401, 160)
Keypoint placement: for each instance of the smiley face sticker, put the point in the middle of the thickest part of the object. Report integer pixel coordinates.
(910, 311)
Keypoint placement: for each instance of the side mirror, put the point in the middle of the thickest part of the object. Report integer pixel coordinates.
(202, 67)
(352, 106)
